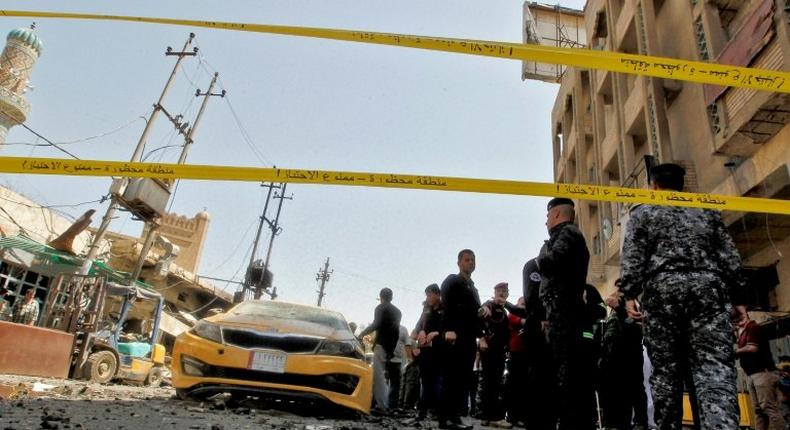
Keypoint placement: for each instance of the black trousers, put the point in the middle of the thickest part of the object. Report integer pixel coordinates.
(457, 373)
(622, 391)
(540, 406)
(429, 362)
(574, 394)
(493, 370)
(516, 386)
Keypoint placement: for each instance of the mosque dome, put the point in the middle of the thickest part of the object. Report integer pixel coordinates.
(28, 37)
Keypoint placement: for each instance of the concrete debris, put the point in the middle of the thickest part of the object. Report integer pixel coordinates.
(38, 387)
(69, 404)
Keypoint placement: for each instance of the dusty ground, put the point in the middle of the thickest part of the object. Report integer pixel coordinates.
(36, 403)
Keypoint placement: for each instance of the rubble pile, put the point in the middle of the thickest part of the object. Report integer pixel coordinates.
(45, 403)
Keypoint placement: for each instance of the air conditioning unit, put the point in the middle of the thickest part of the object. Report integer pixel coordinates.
(147, 198)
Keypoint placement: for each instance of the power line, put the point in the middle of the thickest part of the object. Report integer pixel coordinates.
(49, 142)
(73, 205)
(246, 137)
(84, 139)
(203, 62)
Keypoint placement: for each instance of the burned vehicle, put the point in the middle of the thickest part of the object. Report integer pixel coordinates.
(271, 350)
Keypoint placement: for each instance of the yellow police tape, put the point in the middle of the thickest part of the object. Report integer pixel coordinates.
(56, 166)
(692, 71)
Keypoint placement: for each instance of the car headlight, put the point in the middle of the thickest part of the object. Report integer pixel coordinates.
(208, 330)
(342, 348)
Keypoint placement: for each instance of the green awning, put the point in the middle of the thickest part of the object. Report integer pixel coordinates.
(49, 261)
(38, 257)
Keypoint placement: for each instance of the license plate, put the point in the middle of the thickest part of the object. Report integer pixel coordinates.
(267, 361)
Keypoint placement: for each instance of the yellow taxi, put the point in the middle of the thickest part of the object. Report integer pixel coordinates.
(274, 349)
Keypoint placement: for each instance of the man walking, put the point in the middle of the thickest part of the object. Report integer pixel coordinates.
(563, 264)
(386, 324)
(686, 264)
(461, 324)
(761, 376)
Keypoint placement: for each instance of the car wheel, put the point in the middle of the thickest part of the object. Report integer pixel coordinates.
(154, 378)
(100, 367)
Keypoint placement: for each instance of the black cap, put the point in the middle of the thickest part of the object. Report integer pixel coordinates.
(557, 201)
(385, 294)
(669, 169)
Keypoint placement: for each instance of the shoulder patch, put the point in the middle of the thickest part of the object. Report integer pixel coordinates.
(534, 277)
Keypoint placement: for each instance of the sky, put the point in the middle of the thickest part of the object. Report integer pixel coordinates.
(308, 103)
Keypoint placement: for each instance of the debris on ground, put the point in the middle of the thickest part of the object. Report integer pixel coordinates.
(50, 403)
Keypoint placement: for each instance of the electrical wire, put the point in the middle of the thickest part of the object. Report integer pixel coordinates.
(239, 124)
(236, 250)
(72, 205)
(54, 145)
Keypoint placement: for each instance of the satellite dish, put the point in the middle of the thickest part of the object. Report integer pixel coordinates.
(607, 228)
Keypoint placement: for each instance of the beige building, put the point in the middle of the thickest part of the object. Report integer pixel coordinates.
(25, 260)
(731, 141)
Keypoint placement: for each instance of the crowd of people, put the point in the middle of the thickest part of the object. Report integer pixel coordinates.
(563, 357)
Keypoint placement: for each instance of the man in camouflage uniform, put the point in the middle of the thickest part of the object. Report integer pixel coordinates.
(686, 264)
(563, 270)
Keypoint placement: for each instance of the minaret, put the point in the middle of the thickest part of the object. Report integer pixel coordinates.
(22, 49)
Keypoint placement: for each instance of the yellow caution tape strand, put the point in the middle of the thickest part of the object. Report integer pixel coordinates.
(56, 166)
(692, 71)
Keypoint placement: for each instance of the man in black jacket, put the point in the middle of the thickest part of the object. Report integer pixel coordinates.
(429, 341)
(386, 324)
(461, 326)
(563, 264)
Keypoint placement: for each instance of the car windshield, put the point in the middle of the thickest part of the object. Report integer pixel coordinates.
(282, 310)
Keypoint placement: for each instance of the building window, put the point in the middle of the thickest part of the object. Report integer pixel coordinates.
(702, 43)
(17, 279)
(715, 117)
(601, 32)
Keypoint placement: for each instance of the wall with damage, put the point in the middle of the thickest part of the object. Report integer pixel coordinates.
(20, 215)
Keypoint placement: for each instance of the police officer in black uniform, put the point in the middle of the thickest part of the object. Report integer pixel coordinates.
(563, 264)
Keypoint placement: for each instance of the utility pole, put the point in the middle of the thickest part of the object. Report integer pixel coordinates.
(188, 140)
(275, 228)
(138, 151)
(323, 276)
(248, 284)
